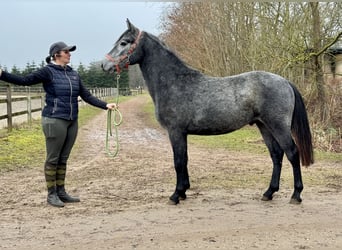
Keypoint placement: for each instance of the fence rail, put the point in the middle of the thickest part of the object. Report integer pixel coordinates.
(20, 104)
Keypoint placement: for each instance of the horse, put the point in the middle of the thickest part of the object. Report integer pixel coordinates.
(188, 102)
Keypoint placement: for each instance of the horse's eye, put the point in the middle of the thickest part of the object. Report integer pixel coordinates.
(123, 43)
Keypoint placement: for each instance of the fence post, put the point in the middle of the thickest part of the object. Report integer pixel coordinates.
(29, 107)
(9, 108)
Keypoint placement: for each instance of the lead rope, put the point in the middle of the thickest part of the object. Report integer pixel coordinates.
(114, 119)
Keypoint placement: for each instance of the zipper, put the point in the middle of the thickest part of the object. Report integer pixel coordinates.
(54, 105)
(70, 100)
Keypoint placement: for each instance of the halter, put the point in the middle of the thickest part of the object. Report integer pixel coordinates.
(124, 58)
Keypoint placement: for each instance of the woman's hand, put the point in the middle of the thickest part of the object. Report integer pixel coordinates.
(112, 106)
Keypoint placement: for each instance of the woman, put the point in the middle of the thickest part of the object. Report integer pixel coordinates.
(62, 85)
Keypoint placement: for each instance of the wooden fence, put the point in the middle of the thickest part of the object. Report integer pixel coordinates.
(30, 100)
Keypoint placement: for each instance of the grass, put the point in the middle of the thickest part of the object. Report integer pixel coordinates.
(245, 139)
(23, 147)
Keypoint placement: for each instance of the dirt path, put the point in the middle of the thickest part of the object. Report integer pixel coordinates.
(124, 200)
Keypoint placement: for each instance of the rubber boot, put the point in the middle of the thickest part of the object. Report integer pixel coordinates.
(60, 184)
(50, 171)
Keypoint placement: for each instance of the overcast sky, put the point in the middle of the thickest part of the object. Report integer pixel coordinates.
(29, 27)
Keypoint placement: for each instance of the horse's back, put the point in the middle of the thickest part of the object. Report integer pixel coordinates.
(264, 90)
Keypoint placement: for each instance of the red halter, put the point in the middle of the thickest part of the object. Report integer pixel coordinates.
(124, 58)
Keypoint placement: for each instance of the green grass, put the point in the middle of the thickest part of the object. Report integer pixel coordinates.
(23, 147)
(245, 139)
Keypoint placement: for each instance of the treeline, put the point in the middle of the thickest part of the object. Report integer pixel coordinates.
(293, 39)
(91, 76)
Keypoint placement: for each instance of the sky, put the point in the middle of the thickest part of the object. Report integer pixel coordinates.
(29, 27)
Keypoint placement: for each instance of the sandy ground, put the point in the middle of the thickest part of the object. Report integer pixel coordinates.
(124, 201)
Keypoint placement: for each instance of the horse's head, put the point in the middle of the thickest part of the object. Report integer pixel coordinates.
(123, 51)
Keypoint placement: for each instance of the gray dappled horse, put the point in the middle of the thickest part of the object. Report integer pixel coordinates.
(188, 102)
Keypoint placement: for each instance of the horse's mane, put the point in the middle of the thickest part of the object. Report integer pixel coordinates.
(172, 55)
(159, 41)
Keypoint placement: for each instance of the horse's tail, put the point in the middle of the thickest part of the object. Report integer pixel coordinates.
(301, 130)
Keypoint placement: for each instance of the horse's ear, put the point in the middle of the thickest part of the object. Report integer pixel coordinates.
(130, 26)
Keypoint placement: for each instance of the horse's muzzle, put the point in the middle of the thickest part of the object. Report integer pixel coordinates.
(107, 66)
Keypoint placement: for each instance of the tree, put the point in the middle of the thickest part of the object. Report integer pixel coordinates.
(30, 67)
(15, 70)
(247, 36)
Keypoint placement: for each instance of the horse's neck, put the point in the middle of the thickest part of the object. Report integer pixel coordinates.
(159, 61)
(161, 68)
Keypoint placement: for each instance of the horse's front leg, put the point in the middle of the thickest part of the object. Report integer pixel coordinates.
(180, 158)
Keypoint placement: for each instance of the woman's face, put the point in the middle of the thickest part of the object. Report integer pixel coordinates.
(63, 57)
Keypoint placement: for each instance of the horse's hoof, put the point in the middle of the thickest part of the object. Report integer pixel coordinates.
(295, 201)
(173, 200)
(266, 198)
(182, 196)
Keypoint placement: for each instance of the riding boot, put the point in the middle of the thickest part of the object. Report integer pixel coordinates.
(62, 194)
(50, 177)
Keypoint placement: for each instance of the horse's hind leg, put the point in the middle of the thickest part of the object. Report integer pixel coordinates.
(180, 157)
(277, 155)
(285, 141)
(293, 156)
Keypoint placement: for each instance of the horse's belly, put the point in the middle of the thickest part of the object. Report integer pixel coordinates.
(209, 132)
(214, 128)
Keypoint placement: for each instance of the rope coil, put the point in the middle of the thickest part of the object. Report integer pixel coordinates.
(114, 120)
